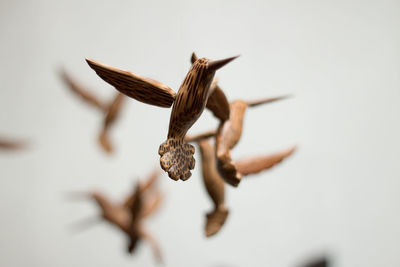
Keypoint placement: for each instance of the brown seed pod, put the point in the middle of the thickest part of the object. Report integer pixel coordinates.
(129, 215)
(255, 165)
(215, 187)
(228, 135)
(111, 111)
(135, 86)
(215, 184)
(82, 92)
(112, 114)
(176, 156)
(12, 144)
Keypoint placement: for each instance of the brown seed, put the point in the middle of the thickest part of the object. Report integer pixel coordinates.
(129, 215)
(140, 88)
(215, 187)
(215, 184)
(8, 144)
(188, 106)
(111, 111)
(82, 92)
(255, 165)
(176, 156)
(228, 135)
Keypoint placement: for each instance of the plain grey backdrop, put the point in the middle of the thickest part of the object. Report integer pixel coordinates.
(338, 195)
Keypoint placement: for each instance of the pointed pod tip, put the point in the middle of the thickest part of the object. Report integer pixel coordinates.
(292, 149)
(282, 97)
(267, 100)
(91, 62)
(217, 64)
(193, 58)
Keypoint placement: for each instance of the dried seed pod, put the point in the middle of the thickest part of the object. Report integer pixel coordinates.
(136, 207)
(11, 145)
(112, 114)
(82, 92)
(255, 165)
(135, 86)
(111, 111)
(129, 215)
(176, 156)
(215, 187)
(142, 188)
(212, 179)
(218, 104)
(115, 214)
(228, 135)
(230, 131)
(104, 141)
(215, 220)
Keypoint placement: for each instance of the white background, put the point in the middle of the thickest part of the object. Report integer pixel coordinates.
(337, 196)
